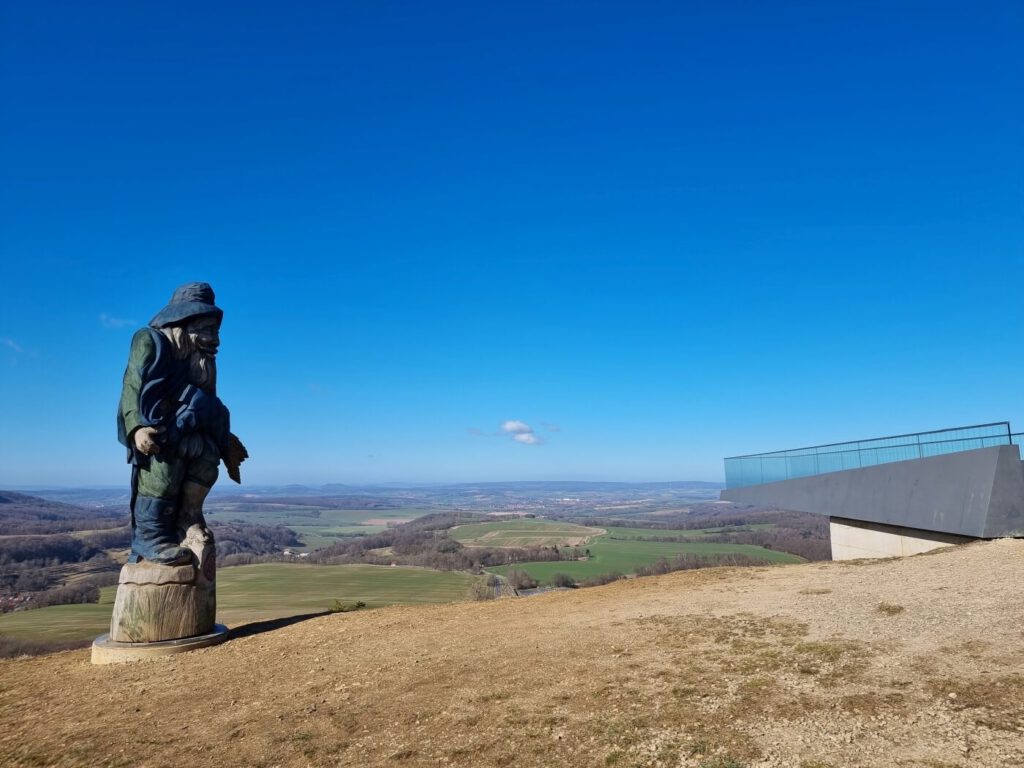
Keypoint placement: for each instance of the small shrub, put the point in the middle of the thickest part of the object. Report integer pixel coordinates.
(562, 580)
(604, 578)
(520, 579)
(346, 607)
(482, 589)
(889, 609)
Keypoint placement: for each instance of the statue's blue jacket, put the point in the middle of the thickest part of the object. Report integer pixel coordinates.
(156, 393)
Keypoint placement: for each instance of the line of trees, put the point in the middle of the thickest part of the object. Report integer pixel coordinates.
(41, 570)
(688, 561)
(45, 551)
(236, 538)
(425, 542)
(798, 533)
(21, 514)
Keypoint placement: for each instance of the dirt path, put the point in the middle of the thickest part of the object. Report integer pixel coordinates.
(915, 662)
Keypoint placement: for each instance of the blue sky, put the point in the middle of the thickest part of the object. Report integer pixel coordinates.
(656, 234)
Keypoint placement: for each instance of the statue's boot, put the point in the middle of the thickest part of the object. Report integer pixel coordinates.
(155, 535)
(191, 501)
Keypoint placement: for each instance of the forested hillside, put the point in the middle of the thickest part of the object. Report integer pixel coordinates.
(53, 553)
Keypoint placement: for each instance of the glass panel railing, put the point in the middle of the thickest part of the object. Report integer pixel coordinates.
(774, 466)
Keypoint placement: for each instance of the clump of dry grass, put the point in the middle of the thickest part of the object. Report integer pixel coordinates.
(889, 609)
(999, 700)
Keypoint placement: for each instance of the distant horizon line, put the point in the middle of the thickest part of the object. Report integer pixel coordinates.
(381, 484)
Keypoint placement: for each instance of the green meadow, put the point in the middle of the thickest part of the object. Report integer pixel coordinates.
(258, 592)
(694, 533)
(623, 549)
(626, 556)
(315, 526)
(524, 532)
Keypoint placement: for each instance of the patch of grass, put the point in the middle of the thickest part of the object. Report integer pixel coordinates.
(699, 747)
(483, 698)
(889, 609)
(722, 762)
(756, 685)
(316, 526)
(872, 704)
(523, 533)
(57, 623)
(625, 556)
(999, 700)
(972, 649)
(256, 593)
(815, 591)
(668, 754)
(830, 661)
(346, 607)
(819, 651)
(695, 534)
(742, 666)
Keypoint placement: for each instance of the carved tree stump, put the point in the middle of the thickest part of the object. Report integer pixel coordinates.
(166, 602)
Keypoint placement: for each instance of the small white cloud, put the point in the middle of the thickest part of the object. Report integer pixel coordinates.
(113, 323)
(517, 430)
(521, 432)
(12, 344)
(516, 427)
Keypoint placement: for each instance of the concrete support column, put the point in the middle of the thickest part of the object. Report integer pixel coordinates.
(855, 539)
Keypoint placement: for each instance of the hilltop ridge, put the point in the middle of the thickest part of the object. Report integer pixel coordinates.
(915, 662)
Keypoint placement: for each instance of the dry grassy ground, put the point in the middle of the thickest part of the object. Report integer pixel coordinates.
(915, 662)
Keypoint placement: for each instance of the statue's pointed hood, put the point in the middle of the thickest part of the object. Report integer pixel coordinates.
(188, 301)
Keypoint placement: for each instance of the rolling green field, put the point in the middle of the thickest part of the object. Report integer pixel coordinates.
(626, 556)
(258, 592)
(696, 533)
(616, 548)
(523, 533)
(316, 527)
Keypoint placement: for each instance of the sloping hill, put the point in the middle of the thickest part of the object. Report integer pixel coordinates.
(21, 514)
(915, 662)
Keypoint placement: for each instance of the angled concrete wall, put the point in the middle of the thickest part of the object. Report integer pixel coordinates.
(855, 539)
(976, 493)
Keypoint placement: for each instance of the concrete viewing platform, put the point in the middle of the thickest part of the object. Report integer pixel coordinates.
(894, 508)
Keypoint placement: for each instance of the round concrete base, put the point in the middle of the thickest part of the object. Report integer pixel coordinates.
(106, 651)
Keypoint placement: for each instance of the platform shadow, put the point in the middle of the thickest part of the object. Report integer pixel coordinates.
(269, 625)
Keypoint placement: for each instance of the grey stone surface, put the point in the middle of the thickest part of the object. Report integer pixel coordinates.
(108, 651)
(976, 493)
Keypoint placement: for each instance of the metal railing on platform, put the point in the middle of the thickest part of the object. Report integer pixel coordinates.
(754, 469)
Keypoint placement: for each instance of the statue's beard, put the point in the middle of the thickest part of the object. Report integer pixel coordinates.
(202, 366)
